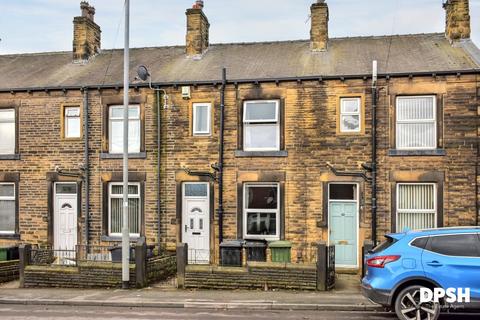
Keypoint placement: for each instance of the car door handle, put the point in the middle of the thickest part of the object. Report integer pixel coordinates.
(434, 264)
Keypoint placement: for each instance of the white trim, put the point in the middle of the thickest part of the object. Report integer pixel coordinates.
(358, 113)
(120, 120)
(66, 117)
(10, 121)
(357, 202)
(208, 132)
(55, 212)
(252, 123)
(120, 196)
(10, 198)
(245, 211)
(412, 121)
(435, 200)
(277, 105)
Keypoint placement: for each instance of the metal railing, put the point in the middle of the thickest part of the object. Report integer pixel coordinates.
(200, 256)
(95, 253)
(48, 256)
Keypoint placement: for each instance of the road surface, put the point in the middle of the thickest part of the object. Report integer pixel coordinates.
(23, 312)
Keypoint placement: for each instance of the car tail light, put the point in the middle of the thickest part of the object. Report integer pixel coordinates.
(381, 261)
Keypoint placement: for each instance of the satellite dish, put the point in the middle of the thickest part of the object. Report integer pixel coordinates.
(143, 73)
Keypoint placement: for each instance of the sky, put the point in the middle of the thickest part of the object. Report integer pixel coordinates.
(46, 25)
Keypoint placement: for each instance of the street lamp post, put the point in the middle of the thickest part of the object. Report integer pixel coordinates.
(125, 227)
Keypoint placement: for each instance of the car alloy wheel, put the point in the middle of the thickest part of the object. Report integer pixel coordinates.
(409, 307)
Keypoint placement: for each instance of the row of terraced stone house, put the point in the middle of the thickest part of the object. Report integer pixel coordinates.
(293, 144)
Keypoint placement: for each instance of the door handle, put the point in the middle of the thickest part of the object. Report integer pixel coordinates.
(435, 264)
(196, 233)
(186, 228)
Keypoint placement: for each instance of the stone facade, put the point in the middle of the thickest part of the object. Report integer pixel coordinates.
(319, 30)
(197, 38)
(457, 19)
(86, 34)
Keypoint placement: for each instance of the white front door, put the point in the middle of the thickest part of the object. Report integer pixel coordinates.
(65, 220)
(196, 221)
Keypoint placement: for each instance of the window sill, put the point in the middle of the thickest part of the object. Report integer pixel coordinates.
(11, 236)
(139, 155)
(258, 154)
(9, 156)
(118, 239)
(406, 153)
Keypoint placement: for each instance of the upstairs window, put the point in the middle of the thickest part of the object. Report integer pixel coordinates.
(72, 122)
(350, 115)
(115, 133)
(416, 122)
(201, 119)
(261, 125)
(7, 208)
(7, 131)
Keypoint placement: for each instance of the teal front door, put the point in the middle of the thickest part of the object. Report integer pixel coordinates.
(343, 232)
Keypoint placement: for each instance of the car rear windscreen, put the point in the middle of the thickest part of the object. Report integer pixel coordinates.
(389, 241)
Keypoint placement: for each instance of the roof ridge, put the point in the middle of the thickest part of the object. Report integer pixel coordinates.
(227, 44)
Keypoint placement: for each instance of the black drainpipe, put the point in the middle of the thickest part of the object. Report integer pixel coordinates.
(159, 146)
(87, 167)
(220, 157)
(374, 162)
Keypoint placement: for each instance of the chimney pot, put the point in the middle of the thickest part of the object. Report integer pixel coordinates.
(198, 5)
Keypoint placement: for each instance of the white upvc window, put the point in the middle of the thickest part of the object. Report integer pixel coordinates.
(350, 115)
(416, 122)
(72, 122)
(115, 209)
(261, 211)
(261, 125)
(7, 208)
(7, 131)
(416, 206)
(115, 130)
(202, 119)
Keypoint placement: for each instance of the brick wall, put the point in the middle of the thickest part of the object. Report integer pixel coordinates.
(8, 270)
(255, 276)
(87, 275)
(310, 138)
(160, 268)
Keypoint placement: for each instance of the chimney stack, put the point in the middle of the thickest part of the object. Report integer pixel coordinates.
(319, 30)
(197, 31)
(86, 34)
(457, 26)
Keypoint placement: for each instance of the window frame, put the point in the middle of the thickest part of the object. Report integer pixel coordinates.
(64, 117)
(14, 199)
(15, 123)
(359, 113)
(277, 211)
(435, 121)
(246, 123)
(195, 132)
(120, 119)
(435, 203)
(120, 196)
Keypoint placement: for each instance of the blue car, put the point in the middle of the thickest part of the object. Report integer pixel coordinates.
(405, 264)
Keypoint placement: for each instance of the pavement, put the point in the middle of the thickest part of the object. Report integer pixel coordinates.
(346, 297)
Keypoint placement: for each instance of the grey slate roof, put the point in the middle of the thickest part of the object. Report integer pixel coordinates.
(345, 56)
